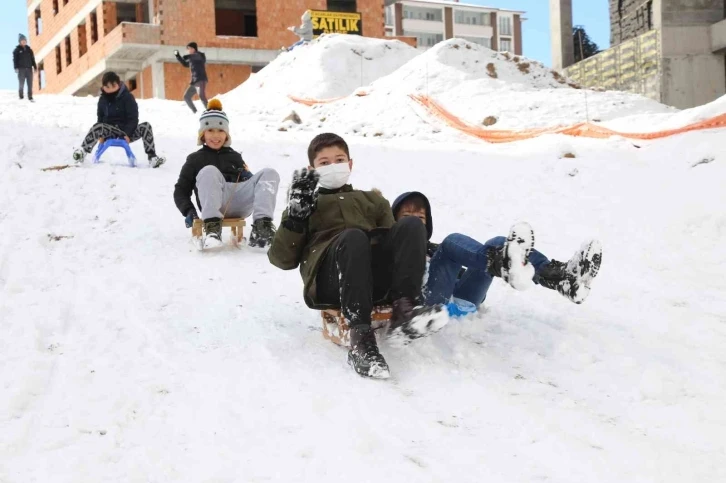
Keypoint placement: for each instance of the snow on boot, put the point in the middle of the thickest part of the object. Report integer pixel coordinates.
(156, 161)
(263, 231)
(511, 262)
(573, 279)
(410, 321)
(364, 356)
(212, 233)
(79, 155)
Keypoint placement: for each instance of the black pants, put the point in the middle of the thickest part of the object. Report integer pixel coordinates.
(361, 268)
(196, 88)
(25, 76)
(143, 131)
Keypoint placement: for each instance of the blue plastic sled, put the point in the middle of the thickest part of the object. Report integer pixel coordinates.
(119, 143)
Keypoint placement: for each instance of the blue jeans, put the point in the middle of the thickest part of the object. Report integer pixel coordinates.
(458, 251)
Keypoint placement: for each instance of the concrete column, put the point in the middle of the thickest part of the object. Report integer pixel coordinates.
(563, 51)
(158, 80)
(448, 23)
(495, 32)
(398, 19)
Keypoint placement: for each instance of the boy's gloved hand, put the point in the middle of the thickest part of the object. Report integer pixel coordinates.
(176, 52)
(301, 197)
(189, 220)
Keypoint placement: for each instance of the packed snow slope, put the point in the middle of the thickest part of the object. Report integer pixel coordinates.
(473, 82)
(127, 356)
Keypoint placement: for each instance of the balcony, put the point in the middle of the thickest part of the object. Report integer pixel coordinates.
(718, 37)
(133, 41)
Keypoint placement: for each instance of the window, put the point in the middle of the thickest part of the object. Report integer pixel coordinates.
(125, 12)
(58, 64)
(389, 15)
(236, 18)
(484, 41)
(69, 58)
(65, 2)
(82, 39)
(342, 5)
(55, 7)
(94, 27)
(421, 13)
(505, 26)
(38, 22)
(505, 45)
(41, 75)
(466, 17)
(425, 39)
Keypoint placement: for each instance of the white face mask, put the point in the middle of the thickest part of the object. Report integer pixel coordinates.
(333, 176)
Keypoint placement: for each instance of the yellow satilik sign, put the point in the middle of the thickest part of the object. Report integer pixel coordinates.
(325, 22)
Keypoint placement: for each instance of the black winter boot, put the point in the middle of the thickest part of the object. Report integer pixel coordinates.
(410, 321)
(263, 231)
(364, 356)
(573, 279)
(212, 233)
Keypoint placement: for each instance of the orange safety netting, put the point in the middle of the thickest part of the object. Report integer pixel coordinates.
(584, 129)
(311, 102)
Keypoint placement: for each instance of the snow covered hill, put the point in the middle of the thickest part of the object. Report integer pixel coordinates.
(127, 356)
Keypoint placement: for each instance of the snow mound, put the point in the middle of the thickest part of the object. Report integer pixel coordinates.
(330, 66)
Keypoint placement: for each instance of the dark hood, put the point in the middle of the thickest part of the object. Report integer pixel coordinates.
(122, 90)
(429, 218)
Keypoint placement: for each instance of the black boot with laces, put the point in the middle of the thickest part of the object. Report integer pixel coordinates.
(364, 356)
(263, 231)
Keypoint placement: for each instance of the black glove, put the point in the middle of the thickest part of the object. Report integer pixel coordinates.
(431, 248)
(189, 220)
(302, 195)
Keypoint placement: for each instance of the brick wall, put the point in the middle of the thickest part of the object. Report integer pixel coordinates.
(629, 19)
(184, 21)
(146, 82)
(222, 78)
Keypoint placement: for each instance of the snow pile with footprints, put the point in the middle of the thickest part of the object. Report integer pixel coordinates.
(473, 82)
(129, 356)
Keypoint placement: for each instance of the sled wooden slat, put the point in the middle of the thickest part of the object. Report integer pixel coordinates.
(337, 330)
(235, 224)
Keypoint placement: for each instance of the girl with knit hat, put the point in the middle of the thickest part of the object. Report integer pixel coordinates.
(223, 185)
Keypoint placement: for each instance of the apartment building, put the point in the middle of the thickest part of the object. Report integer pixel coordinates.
(76, 41)
(431, 22)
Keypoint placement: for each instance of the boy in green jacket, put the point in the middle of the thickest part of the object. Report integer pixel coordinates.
(352, 254)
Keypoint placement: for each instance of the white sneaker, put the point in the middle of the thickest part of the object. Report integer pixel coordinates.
(516, 269)
(79, 155)
(157, 161)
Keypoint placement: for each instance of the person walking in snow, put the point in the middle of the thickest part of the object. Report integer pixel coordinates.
(223, 184)
(305, 31)
(463, 268)
(196, 62)
(118, 117)
(352, 254)
(24, 65)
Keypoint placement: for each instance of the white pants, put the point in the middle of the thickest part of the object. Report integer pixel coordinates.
(256, 196)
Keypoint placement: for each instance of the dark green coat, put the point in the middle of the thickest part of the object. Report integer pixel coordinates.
(335, 211)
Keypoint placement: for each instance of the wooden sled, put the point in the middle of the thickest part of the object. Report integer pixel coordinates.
(235, 224)
(337, 330)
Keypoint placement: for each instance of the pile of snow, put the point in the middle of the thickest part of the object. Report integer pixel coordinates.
(331, 66)
(476, 83)
(127, 356)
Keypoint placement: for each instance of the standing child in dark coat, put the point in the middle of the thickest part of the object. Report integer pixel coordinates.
(196, 62)
(512, 258)
(223, 185)
(352, 254)
(24, 65)
(118, 117)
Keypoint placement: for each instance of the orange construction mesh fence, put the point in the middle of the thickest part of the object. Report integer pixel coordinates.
(584, 129)
(311, 102)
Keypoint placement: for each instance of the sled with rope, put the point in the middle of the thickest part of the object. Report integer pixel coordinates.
(337, 330)
(236, 225)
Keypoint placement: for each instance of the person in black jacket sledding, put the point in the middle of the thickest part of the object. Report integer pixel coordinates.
(118, 117)
(195, 61)
(24, 65)
(223, 185)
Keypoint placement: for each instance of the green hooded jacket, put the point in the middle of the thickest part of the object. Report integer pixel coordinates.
(335, 211)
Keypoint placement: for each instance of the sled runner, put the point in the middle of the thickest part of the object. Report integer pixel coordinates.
(119, 143)
(336, 329)
(235, 224)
